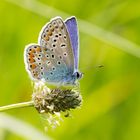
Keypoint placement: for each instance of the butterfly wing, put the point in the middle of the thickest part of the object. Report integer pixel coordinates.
(71, 25)
(41, 65)
(53, 59)
(55, 37)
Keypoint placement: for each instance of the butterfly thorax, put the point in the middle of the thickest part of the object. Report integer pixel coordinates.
(71, 80)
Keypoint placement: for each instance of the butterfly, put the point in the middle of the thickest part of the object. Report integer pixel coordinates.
(55, 58)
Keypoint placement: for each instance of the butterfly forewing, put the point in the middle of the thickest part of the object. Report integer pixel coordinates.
(55, 37)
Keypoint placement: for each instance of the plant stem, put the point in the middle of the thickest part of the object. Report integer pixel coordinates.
(18, 105)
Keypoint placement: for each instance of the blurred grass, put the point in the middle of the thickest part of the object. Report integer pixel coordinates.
(109, 35)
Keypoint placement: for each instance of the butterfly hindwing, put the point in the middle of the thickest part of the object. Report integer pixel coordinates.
(41, 65)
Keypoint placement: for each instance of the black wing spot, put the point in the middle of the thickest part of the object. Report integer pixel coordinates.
(65, 36)
(41, 73)
(56, 35)
(54, 45)
(48, 62)
(52, 56)
(54, 40)
(51, 73)
(58, 62)
(62, 45)
(60, 57)
(65, 54)
(53, 68)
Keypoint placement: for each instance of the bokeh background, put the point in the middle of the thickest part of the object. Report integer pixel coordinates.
(109, 35)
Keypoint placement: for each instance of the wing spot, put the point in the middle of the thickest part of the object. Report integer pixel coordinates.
(65, 37)
(38, 49)
(59, 34)
(39, 63)
(54, 45)
(58, 62)
(51, 73)
(47, 56)
(54, 40)
(41, 68)
(41, 73)
(65, 54)
(31, 60)
(56, 35)
(33, 66)
(53, 68)
(52, 50)
(46, 49)
(52, 56)
(60, 57)
(62, 45)
(48, 62)
(50, 33)
(47, 38)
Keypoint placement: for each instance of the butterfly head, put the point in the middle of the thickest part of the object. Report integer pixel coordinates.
(78, 75)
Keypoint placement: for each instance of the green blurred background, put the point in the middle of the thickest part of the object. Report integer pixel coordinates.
(109, 35)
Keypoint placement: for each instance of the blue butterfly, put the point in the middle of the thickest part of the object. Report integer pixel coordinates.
(54, 59)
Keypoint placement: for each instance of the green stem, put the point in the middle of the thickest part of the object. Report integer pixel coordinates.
(18, 105)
